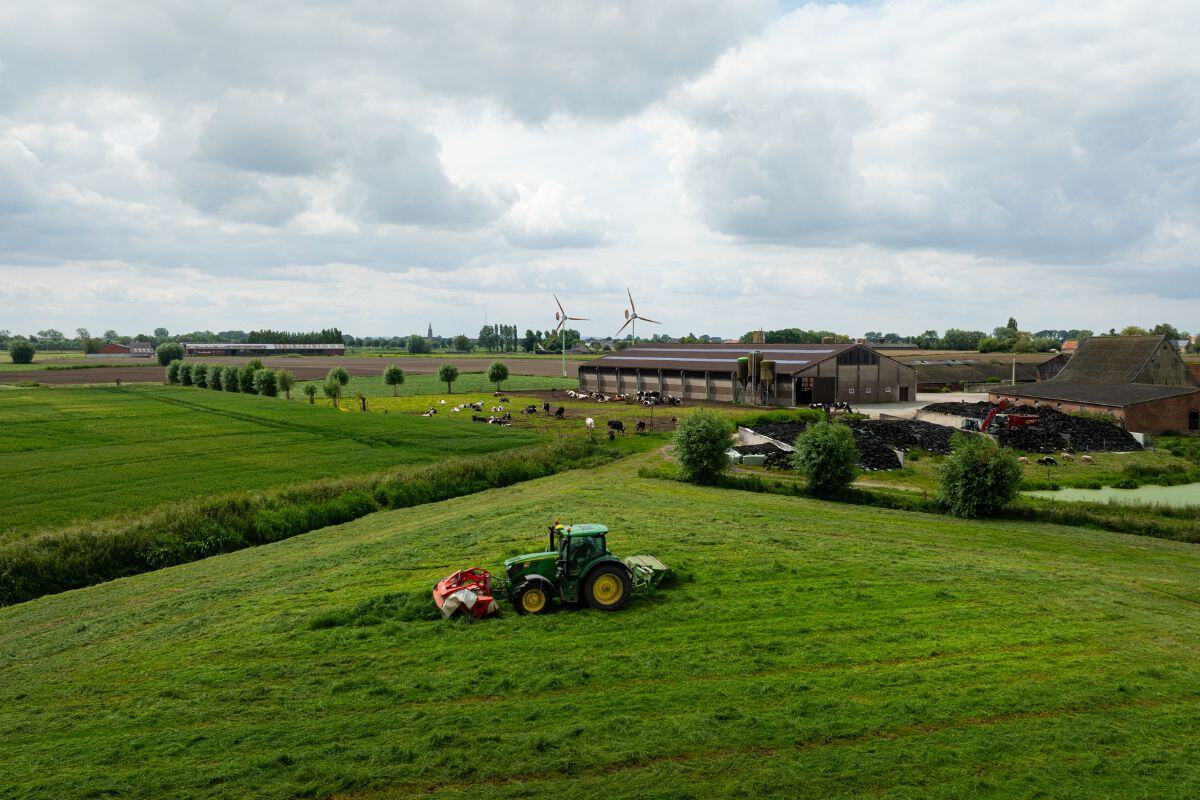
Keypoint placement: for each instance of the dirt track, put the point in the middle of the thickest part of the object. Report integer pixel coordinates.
(305, 367)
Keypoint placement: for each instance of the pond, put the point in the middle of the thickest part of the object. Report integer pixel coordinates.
(1187, 494)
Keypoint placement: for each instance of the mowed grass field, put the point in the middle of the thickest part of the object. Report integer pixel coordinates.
(813, 650)
(87, 453)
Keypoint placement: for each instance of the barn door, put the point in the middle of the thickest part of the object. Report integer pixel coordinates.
(824, 390)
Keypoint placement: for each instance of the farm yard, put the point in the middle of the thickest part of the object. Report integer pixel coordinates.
(911, 655)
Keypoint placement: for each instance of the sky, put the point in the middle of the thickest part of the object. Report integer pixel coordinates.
(380, 166)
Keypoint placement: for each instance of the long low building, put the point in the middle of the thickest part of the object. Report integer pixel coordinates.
(191, 349)
(790, 375)
(1139, 380)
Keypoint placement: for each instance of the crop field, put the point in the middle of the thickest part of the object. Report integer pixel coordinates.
(467, 383)
(808, 650)
(88, 453)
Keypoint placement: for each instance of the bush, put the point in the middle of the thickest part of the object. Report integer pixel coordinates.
(285, 380)
(231, 379)
(185, 374)
(826, 455)
(340, 375)
(497, 373)
(173, 372)
(246, 378)
(393, 376)
(20, 351)
(215, 374)
(448, 374)
(200, 376)
(168, 352)
(978, 478)
(332, 389)
(701, 443)
(265, 383)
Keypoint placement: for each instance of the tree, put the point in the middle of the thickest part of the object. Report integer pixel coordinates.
(393, 376)
(701, 442)
(417, 344)
(246, 379)
(111, 336)
(529, 341)
(265, 383)
(1134, 330)
(826, 455)
(310, 391)
(231, 379)
(168, 352)
(216, 374)
(161, 333)
(929, 340)
(462, 343)
(1012, 324)
(448, 374)
(173, 372)
(185, 374)
(200, 376)
(85, 338)
(497, 373)
(978, 478)
(332, 389)
(285, 380)
(20, 351)
(1168, 330)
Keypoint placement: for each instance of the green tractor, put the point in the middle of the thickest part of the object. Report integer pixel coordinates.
(578, 567)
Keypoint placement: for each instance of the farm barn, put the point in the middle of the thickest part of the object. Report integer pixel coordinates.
(1138, 379)
(789, 374)
(132, 350)
(191, 349)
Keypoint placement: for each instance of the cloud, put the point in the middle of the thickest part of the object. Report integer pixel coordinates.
(260, 133)
(1024, 129)
(548, 217)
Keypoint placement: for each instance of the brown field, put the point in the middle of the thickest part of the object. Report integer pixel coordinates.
(305, 367)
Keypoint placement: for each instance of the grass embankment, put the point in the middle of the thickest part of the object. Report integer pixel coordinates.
(819, 650)
(70, 454)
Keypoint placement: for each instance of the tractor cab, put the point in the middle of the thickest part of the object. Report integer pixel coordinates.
(577, 567)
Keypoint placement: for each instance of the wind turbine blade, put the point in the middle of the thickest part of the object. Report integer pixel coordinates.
(647, 319)
(581, 319)
(623, 327)
(557, 328)
(631, 305)
(560, 308)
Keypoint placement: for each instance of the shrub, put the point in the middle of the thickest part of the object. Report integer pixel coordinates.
(285, 380)
(701, 443)
(215, 374)
(185, 374)
(231, 379)
(393, 376)
(826, 455)
(310, 391)
(168, 352)
(173, 372)
(265, 383)
(246, 378)
(497, 373)
(448, 374)
(978, 478)
(340, 375)
(200, 376)
(20, 351)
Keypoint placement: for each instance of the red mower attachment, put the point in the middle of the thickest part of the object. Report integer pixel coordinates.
(469, 591)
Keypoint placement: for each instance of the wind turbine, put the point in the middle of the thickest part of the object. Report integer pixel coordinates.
(632, 316)
(561, 317)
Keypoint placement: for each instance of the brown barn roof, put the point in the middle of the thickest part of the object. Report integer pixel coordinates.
(1109, 359)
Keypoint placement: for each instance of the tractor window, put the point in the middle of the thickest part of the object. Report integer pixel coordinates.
(584, 550)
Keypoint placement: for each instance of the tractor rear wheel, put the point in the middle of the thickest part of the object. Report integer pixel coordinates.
(608, 588)
(531, 598)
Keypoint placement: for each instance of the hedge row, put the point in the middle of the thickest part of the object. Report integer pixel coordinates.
(191, 530)
(253, 378)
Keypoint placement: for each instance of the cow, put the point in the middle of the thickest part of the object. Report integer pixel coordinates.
(641, 426)
(530, 410)
(1047, 461)
(430, 412)
(616, 425)
(560, 413)
(590, 424)
(546, 407)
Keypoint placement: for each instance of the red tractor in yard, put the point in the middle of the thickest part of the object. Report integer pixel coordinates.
(996, 421)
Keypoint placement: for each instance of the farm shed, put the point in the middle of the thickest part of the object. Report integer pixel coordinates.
(243, 349)
(133, 349)
(1140, 380)
(934, 374)
(802, 373)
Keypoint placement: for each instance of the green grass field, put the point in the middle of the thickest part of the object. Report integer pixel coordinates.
(467, 383)
(88, 453)
(813, 650)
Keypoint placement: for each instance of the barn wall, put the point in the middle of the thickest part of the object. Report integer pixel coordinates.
(1166, 368)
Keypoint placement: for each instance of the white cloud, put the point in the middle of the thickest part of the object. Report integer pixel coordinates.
(549, 217)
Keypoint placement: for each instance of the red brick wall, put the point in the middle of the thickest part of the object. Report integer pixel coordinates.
(1170, 414)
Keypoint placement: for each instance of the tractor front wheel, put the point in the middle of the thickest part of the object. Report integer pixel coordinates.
(608, 588)
(531, 599)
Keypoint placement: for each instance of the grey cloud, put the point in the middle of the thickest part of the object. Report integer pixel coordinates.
(259, 133)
